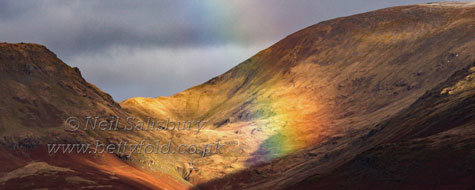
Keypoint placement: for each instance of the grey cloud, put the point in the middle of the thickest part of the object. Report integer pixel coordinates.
(130, 72)
(72, 26)
(104, 38)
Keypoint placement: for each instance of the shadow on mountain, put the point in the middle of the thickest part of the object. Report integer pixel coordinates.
(429, 145)
(271, 148)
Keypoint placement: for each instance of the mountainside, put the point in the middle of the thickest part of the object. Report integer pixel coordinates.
(42, 93)
(383, 99)
(307, 104)
(38, 93)
(429, 144)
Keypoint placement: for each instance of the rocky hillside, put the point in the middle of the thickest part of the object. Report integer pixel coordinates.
(429, 144)
(38, 93)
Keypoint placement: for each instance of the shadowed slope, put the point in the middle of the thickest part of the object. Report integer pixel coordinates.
(38, 92)
(428, 145)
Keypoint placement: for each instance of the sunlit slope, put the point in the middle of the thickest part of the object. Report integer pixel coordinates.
(334, 80)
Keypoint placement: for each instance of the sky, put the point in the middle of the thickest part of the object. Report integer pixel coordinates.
(159, 48)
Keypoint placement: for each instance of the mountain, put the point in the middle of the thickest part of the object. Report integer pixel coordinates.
(38, 93)
(322, 96)
(309, 103)
(382, 99)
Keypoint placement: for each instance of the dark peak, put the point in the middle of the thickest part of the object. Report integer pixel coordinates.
(26, 47)
(25, 61)
(21, 44)
(31, 59)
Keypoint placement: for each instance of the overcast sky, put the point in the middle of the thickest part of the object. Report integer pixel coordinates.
(158, 48)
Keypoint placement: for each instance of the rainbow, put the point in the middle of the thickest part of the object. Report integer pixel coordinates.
(290, 128)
